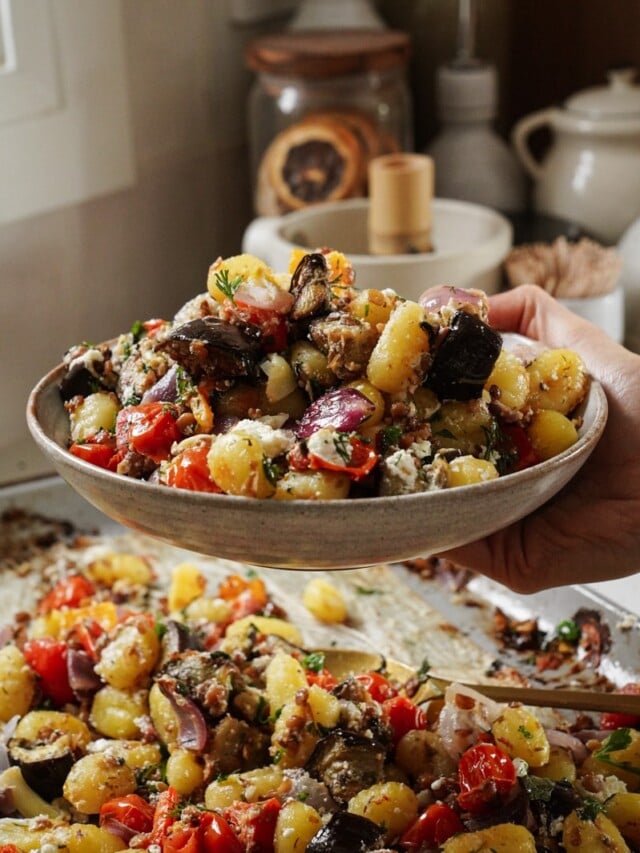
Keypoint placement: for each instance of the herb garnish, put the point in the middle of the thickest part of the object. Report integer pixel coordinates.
(226, 285)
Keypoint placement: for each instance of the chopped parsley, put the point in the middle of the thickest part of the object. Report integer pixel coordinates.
(617, 741)
(314, 661)
(569, 631)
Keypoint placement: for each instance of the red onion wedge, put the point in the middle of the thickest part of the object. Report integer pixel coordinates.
(343, 409)
(192, 726)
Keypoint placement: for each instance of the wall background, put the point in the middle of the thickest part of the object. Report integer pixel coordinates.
(87, 271)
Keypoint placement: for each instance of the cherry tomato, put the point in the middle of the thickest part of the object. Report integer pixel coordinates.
(205, 832)
(70, 591)
(127, 816)
(363, 460)
(164, 815)
(323, 679)
(486, 775)
(378, 687)
(255, 823)
(48, 658)
(149, 429)
(8, 848)
(247, 596)
(190, 470)
(434, 826)
(152, 327)
(614, 720)
(404, 716)
(97, 454)
(526, 455)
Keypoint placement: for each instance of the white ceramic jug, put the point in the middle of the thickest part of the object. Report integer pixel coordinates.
(590, 174)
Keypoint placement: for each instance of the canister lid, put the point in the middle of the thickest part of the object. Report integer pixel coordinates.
(321, 54)
(619, 99)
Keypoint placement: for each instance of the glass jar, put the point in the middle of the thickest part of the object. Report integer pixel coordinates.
(322, 105)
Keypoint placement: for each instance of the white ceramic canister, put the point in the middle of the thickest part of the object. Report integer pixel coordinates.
(590, 174)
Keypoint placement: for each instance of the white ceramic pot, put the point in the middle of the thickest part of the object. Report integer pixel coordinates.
(591, 172)
(470, 244)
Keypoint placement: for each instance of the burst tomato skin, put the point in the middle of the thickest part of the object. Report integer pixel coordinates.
(70, 591)
(130, 811)
(255, 824)
(190, 470)
(363, 460)
(526, 455)
(206, 832)
(613, 720)
(433, 827)
(486, 775)
(379, 688)
(148, 429)
(48, 658)
(404, 716)
(97, 454)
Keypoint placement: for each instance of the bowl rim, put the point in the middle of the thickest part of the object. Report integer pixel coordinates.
(585, 443)
(501, 240)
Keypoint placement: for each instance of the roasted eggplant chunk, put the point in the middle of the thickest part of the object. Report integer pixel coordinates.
(310, 287)
(464, 358)
(210, 347)
(347, 762)
(347, 833)
(44, 766)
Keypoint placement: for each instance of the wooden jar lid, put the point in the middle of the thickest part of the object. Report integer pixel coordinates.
(319, 54)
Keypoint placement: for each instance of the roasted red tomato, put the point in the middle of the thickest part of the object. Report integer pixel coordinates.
(404, 716)
(48, 658)
(434, 826)
(362, 460)
(526, 455)
(613, 720)
(98, 449)
(190, 470)
(379, 688)
(201, 832)
(68, 592)
(255, 824)
(149, 429)
(127, 816)
(164, 815)
(486, 776)
(323, 679)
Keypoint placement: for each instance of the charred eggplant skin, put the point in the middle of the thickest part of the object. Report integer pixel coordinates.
(464, 359)
(346, 833)
(310, 287)
(210, 347)
(44, 766)
(346, 762)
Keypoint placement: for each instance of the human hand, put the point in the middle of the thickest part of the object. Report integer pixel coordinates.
(591, 530)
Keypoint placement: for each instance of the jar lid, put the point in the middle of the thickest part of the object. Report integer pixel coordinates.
(620, 99)
(321, 54)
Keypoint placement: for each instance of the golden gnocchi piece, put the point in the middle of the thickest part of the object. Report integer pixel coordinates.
(238, 464)
(97, 778)
(550, 433)
(392, 805)
(397, 358)
(511, 378)
(17, 683)
(325, 601)
(558, 380)
(466, 470)
(296, 825)
(521, 734)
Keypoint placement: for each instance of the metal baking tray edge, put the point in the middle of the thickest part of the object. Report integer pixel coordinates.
(469, 610)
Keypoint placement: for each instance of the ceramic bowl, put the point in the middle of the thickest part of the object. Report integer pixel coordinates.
(336, 534)
(470, 243)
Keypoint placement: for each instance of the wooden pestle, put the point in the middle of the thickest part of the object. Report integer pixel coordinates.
(400, 204)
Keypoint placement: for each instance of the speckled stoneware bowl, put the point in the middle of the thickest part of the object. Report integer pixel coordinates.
(337, 534)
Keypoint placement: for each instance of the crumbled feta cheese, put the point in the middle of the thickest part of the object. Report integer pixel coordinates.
(327, 445)
(275, 442)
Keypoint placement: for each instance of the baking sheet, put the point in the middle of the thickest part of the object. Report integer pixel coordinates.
(393, 610)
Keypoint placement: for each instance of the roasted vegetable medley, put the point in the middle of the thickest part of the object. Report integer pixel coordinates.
(299, 385)
(192, 719)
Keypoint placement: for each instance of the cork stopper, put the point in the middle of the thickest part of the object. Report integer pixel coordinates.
(400, 204)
